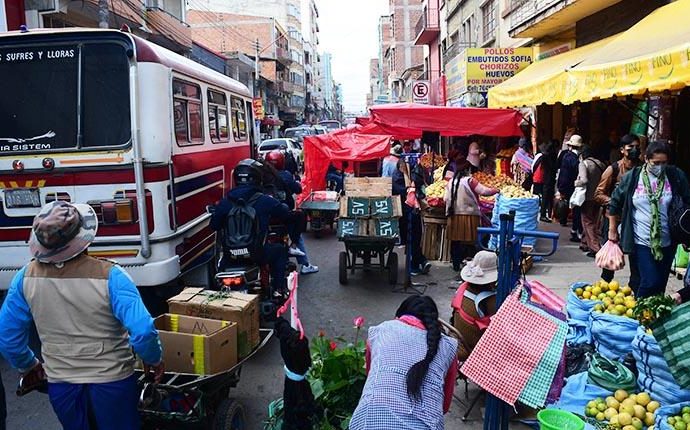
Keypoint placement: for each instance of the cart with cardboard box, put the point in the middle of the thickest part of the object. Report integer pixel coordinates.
(207, 337)
(369, 227)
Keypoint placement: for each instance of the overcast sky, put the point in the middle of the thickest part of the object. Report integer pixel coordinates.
(349, 31)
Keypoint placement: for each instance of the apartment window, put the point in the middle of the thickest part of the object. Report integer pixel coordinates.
(489, 20)
(187, 113)
(239, 119)
(467, 31)
(218, 116)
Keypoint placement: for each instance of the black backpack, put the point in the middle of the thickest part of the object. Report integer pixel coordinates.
(241, 236)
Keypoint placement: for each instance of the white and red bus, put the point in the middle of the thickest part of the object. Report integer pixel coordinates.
(147, 137)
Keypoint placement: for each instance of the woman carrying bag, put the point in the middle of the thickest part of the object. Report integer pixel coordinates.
(641, 205)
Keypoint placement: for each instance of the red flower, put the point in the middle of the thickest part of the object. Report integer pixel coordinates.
(332, 346)
(322, 333)
(358, 321)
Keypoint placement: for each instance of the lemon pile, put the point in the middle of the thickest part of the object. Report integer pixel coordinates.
(515, 192)
(626, 411)
(437, 189)
(682, 421)
(615, 300)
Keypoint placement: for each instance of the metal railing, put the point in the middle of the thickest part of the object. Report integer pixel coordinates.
(428, 20)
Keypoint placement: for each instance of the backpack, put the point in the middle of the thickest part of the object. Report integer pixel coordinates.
(241, 236)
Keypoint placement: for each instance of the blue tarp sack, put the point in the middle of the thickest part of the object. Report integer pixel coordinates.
(654, 375)
(664, 412)
(579, 328)
(526, 216)
(613, 335)
(577, 393)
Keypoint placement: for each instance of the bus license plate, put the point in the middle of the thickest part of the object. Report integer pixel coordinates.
(22, 198)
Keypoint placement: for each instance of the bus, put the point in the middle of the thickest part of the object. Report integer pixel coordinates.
(147, 137)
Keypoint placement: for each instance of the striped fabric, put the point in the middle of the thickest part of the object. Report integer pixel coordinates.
(673, 336)
(385, 405)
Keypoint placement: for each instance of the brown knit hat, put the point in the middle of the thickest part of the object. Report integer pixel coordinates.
(61, 231)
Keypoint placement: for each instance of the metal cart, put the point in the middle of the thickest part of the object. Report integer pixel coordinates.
(322, 214)
(366, 249)
(191, 401)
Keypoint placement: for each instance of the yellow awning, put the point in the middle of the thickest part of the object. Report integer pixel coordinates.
(653, 55)
(541, 82)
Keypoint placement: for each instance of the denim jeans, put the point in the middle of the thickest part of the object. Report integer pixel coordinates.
(277, 259)
(304, 261)
(653, 274)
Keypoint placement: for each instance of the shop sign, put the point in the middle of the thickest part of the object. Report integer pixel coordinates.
(487, 67)
(258, 105)
(455, 76)
(557, 50)
(420, 92)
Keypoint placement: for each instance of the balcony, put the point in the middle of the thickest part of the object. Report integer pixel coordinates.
(428, 27)
(283, 55)
(287, 87)
(539, 18)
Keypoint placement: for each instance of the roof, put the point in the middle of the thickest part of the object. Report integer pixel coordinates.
(145, 52)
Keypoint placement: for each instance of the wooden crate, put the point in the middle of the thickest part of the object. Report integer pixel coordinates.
(388, 227)
(347, 208)
(352, 227)
(435, 244)
(368, 187)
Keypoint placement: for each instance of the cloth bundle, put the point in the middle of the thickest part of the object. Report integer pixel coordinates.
(526, 216)
(612, 334)
(673, 335)
(579, 327)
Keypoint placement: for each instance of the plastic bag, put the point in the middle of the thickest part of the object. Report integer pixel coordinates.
(613, 335)
(610, 375)
(579, 326)
(578, 197)
(654, 375)
(610, 257)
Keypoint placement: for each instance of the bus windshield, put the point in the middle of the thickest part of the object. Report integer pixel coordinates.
(43, 87)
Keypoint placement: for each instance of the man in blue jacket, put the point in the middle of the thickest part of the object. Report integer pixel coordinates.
(89, 316)
(568, 162)
(247, 179)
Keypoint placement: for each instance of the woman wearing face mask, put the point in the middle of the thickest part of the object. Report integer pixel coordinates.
(640, 204)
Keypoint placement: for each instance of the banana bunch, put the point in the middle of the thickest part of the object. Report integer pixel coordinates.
(515, 192)
(437, 189)
(438, 174)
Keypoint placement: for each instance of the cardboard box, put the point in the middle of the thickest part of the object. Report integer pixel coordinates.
(197, 345)
(236, 307)
(352, 227)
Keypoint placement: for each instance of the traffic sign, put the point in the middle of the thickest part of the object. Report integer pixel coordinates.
(420, 92)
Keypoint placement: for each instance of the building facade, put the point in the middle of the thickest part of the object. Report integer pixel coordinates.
(160, 22)
(428, 34)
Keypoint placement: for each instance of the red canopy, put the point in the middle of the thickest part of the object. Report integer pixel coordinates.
(342, 145)
(406, 118)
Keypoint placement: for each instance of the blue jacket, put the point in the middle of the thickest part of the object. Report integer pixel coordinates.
(127, 307)
(568, 165)
(267, 208)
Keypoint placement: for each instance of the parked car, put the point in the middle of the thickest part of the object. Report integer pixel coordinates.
(282, 144)
(331, 124)
(319, 129)
(298, 133)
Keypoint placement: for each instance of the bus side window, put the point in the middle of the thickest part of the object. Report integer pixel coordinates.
(239, 119)
(218, 116)
(187, 113)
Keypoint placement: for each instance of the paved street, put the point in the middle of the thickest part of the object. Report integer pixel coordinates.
(325, 305)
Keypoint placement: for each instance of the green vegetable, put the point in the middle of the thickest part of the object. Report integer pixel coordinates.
(651, 309)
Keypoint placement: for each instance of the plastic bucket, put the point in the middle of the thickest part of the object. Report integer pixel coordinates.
(554, 419)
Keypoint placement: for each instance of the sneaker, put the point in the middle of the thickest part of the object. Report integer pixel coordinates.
(591, 254)
(415, 272)
(309, 269)
(545, 219)
(426, 267)
(296, 252)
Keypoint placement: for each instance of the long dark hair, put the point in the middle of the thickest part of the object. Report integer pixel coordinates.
(460, 172)
(424, 309)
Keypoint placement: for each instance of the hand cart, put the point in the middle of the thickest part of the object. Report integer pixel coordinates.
(367, 248)
(191, 401)
(321, 213)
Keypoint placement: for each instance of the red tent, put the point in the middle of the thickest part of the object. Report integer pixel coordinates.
(408, 119)
(342, 145)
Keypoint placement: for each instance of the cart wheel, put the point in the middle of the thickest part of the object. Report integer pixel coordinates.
(229, 416)
(342, 268)
(393, 268)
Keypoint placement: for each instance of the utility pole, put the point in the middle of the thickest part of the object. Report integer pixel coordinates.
(103, 13)
(256, 68)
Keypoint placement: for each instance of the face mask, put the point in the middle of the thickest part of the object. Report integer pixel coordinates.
(656, 170)
(633, 154)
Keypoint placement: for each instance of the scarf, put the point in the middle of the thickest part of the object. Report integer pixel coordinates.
(654, 199)
(524, 159)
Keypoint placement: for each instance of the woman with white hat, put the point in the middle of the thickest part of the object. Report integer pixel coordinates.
(568, 165)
